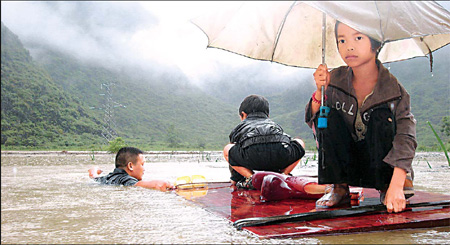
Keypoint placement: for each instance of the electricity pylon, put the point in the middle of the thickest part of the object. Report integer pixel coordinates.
(109, 126)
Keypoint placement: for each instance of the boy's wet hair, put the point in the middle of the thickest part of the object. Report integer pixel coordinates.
(126, 155)
(254, 103)
(374, 44)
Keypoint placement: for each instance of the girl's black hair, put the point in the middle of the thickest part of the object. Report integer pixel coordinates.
(374, 44)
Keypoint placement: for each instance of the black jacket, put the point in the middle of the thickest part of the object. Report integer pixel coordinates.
(257, 128)
(117, 177)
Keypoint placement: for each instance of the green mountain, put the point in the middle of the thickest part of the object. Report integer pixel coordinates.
(35, 110)
(150, 111)
(53, 100)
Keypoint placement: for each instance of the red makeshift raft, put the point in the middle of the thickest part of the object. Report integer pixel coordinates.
(234, 204)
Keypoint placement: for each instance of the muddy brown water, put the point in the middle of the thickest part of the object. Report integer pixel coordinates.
(49, 198)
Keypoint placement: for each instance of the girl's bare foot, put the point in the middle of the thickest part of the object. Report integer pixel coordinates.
(338, 196)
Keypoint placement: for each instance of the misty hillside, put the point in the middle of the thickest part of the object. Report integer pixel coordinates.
(159, 109)
(34, 109)
(231, 85)
(155, 106)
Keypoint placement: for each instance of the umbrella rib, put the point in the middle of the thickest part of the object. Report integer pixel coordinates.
(281, 29)
(381, 24)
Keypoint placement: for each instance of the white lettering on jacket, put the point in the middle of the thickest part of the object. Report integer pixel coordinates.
(366, 116)
(342, 107)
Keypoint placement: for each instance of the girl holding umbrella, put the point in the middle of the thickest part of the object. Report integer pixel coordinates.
(370, 139)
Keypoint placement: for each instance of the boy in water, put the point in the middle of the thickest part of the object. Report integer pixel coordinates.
(370, 139)
(129, 171)
(258, 143)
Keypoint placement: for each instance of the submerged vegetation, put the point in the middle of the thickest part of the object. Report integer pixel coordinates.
(440, 141)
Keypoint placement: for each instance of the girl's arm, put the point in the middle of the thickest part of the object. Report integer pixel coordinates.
(404, 145)
(395, 198)
(322, 78)
(402, 153)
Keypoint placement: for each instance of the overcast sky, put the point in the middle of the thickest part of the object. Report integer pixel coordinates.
(135, 33)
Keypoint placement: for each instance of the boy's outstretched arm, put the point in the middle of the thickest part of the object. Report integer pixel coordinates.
(94, 172)
(161, 185)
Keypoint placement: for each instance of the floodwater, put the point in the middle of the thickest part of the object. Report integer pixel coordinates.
(49, 198)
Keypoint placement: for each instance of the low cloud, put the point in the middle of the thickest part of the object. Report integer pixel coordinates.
(101, 32)
(155, 36)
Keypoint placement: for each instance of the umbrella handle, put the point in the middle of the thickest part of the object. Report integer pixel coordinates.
(322, 120)
(322, 96)
(324, 110)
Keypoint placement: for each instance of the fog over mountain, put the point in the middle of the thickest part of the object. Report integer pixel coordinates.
(146, 38)
(136, 37)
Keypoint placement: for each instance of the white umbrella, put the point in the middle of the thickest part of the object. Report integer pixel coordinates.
(290, 32)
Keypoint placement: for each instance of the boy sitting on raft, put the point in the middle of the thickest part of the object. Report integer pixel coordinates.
(129, 171)
(258, 143)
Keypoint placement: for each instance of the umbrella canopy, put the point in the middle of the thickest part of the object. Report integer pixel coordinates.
(290, 33)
